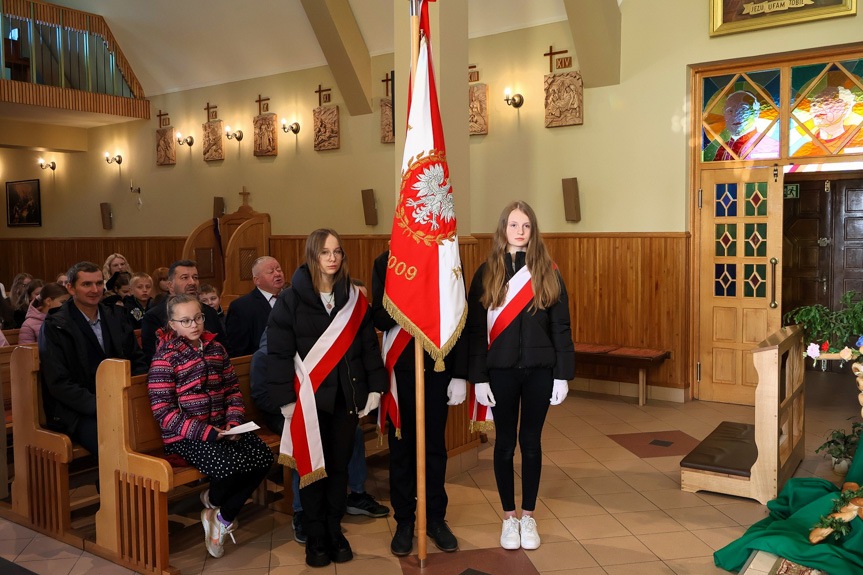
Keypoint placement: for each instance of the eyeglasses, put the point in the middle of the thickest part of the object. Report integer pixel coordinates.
(186, 322)
(338, 254)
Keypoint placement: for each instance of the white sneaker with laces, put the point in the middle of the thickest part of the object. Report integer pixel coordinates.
(529, 536)
(509, 534)
(215, 532)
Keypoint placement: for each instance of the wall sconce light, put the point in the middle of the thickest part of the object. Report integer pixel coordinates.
(118, 159)
(515, 100)
(45, 166)
(293, 128)
(188, 140)
(238, 135)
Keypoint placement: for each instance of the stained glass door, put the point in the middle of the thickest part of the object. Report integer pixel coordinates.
(740, 278)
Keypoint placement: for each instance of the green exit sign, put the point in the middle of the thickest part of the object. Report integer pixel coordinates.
(790, 191)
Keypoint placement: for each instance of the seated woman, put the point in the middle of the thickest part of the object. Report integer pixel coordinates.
(52, 296)
(25, 297)
(115, 263)
(196, 398)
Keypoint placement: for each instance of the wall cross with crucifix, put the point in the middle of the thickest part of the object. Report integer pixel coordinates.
(387, 81)
(211, 112)
(323, 95)
(160, 116)
(261, 105)
(551, 54)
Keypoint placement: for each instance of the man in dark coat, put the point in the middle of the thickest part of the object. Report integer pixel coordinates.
(248, 315)
(182, 278)
(75, 338)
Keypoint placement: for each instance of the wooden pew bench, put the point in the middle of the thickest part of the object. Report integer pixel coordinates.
(136, 479)
(5, 374)
(755, 461)
(639, 358)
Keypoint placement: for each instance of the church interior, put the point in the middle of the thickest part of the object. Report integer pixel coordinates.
(211, 131)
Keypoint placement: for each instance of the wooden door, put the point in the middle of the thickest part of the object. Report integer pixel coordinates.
(740, 278)
(848, 237)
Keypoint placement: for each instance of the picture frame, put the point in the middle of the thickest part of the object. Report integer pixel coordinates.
(733, 16)
(23, 204)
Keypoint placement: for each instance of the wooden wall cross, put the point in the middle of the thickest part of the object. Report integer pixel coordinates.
(261, 105)
(245, 195)
(387, 81)
(323, 96)
(211, 112)
(161, 115)
(551, 54)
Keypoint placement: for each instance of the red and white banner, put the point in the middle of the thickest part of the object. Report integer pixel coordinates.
(395, 342)
(424, 287)
(301, 446)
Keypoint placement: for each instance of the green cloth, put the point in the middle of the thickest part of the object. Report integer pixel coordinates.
(785, 532)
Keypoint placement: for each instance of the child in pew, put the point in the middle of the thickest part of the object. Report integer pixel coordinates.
(117, 287)
(52, 296)
(139, 301)
(161, 285)
(209, 295)
(196, 399)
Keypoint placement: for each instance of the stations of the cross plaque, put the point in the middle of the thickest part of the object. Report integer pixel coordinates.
(323, 95)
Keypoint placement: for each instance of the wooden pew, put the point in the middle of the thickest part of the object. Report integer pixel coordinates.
(40, 490)
(755, 461)
(132, 522)
(639, 358)
(5, 371)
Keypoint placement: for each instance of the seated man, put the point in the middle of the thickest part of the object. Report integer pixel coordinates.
(182, 278)
(75, 338)
(248, 315)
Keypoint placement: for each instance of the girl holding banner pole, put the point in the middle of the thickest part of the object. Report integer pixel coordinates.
(521, 355)
(325, 371)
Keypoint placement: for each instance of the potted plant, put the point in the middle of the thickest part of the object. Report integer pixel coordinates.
(842, 447)
(829, 333)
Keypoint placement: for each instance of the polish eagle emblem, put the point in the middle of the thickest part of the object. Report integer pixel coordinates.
(433, 199)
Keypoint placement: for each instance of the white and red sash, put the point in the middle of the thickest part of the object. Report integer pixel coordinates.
(395, 341)
(519, 294)
(301, 446)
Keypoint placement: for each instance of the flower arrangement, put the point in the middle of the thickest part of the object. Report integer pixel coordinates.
(831, 331)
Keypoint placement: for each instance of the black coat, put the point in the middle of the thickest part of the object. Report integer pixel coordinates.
(456, 360)
(69, 357)
(535, 339)
(246, 321)
(156, 318)
(296, 323)
(134, 311)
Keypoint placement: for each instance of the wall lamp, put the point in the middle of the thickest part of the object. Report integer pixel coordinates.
(188, 140)
(514, 100)
(118, 159)
(293, 128)
(238, 135)
(45, 165)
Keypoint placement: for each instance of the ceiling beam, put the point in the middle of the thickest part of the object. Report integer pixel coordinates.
(595, 29)
(345, 50)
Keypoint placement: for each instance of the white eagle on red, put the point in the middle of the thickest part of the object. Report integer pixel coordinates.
(434, 197)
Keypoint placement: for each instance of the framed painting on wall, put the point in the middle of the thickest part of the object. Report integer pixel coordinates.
(732, 16)
(23, 204)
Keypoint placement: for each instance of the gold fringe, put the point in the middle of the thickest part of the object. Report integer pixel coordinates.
(481, 426)
(437, 353)
(398, 432)
(287, 460)
(310, 478)
(381, 434)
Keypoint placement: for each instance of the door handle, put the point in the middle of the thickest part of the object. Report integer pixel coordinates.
(773, 303)
(823, 281)
(823, 242)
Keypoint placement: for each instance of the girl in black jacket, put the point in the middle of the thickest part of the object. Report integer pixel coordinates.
(320, 288)
(521, 353)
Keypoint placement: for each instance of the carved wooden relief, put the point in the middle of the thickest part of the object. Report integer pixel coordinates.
(564, 99)
(327, 128)
(266, 135)
(478, 109)
(166, 147)
(387, 134)
(213, 141)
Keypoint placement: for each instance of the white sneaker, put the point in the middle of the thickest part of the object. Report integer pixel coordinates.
(529, 536)
(215, 532)
(205, 499)
(509, 534)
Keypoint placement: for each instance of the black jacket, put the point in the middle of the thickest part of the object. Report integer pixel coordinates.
(156, 318)
(69, 357)
(134, 311)
(246, 321)
(296, 323)
(535, 338)
(456, 360)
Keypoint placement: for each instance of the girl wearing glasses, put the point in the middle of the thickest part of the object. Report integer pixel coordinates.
(196, 399)
(325, 371)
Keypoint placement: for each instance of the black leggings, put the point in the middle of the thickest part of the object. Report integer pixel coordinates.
(532, 389)
(231, 493)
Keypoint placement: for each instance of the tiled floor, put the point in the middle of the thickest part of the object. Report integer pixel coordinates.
(602, 510)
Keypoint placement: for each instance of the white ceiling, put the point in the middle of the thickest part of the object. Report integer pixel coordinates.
(176, 45)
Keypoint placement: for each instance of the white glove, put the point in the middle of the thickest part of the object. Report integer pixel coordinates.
(288, 411)
(558, 393)
(372, 404)
(456, 391)
(484, 395)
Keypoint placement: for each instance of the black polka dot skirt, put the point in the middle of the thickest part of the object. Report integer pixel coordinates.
(223, 458)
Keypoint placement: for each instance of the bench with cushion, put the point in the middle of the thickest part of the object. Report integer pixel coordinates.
(639, 358)
(756, 460)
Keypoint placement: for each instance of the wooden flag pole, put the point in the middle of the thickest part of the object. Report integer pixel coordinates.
(415, 36)
(422, 543)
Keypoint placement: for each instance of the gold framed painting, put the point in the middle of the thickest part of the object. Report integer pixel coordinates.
(732, 16)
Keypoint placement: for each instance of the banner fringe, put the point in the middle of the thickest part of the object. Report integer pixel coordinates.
(310, 478)
(287, 460)
(481, 426)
